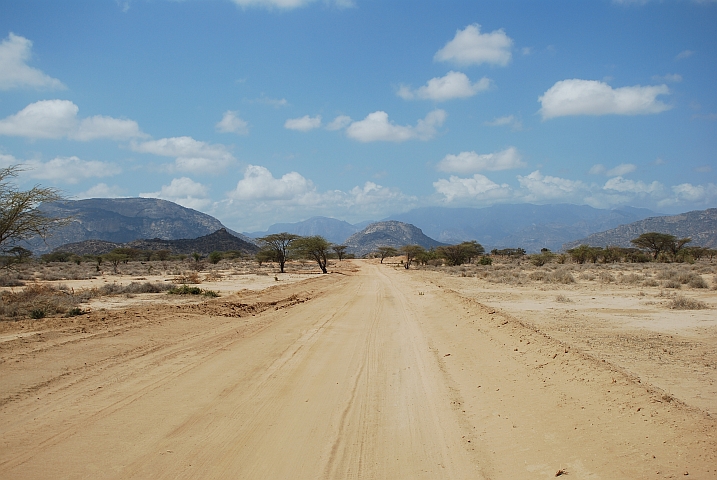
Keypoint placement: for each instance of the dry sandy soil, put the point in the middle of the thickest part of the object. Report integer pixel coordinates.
(369, 372)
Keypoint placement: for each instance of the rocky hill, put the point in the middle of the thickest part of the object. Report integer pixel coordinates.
(388, 234)
(122, 220)
(221, 241)
(527, 226)
(699, 225)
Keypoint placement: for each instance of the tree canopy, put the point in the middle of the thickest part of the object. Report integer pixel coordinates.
(657, 243)
(20, 215)
(315, 248)
(280, 245)
(384, 252)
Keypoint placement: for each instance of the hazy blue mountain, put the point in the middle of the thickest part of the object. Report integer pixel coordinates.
(699, 225)
(531, 227)
(387, 234)
(333, 230)
(121, 220)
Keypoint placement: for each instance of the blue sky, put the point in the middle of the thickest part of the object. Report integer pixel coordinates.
(264, 111)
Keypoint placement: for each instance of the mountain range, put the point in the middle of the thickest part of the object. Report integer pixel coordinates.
(531, 227)
(699, 225)
(122, 220)
(221, 241)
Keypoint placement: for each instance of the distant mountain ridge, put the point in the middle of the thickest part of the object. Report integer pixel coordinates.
(122, 220)
(699, 225)
(221, 241)
(333, 230)
(527, 226)
(389, 234)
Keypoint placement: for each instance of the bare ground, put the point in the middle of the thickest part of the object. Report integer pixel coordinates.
(374, 372)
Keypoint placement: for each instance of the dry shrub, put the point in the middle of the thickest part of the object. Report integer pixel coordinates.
(561, 276)
(213, 277)
(11, 280)
(188, 277)
(605, 277)
(698, 282)
(671, 284)
(37, 301)
(684, 303)
(666, 274)
(562, 299)
(631, 279)
(587, 276)
(650, 282)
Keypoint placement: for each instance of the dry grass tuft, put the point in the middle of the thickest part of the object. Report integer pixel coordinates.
(684, 303)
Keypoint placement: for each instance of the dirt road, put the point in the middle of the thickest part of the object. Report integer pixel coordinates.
(370, 374)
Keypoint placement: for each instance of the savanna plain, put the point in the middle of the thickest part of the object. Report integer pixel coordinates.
(502, 371)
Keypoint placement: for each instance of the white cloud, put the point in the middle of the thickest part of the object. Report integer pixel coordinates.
(670, 78)
(622, 169)
(591, 97)
(597, 169)
(191, 155)
(624, 185)
(15, 51)
(452, 85)
(58, 119)
(376, 127)
(545, 187)
(102, 190)
(184, 191)
(470, 47)
(231, 123)
(478, 187)
(508, 120)
(684, 54)
(69, 169)
(259, 184)
(303, 124)
(471, 162)
(99, 126)
(339, 123)
(290, 4)
(706, 194)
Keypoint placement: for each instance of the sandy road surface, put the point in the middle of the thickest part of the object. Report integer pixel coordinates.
(373, 374)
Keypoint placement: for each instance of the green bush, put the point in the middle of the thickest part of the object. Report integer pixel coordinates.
(485, 261)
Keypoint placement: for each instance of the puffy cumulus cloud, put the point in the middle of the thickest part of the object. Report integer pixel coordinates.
(184, 191)
(699, 194)
(191, 155)
(259, 184)
(452, 85)
(471, 162)
(377, 128)
(15, 51)
(290, 4)
(303, 124)
(58, 119)
(231, 123)
(506, 121)
(477, 187)
(339, 123)
(622, 169)
(591, 97)
(539, 187)
(69, 169)
(623, 185)
(470, 47)
(102, 190)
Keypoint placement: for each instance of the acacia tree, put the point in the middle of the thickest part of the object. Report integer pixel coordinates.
(314, 248)
(411, 252)
(20, 215)
(461, 253)
(339, 250)
(280, 245)
(657, 243)
(384, 252)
